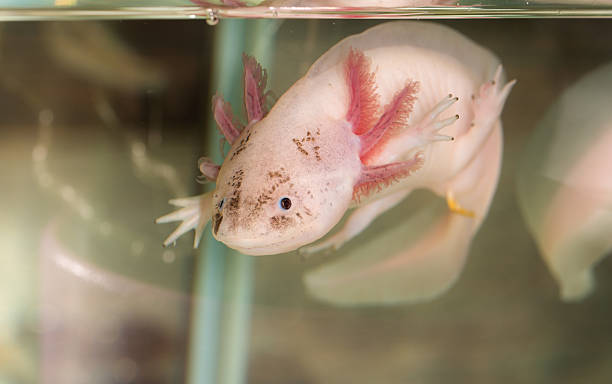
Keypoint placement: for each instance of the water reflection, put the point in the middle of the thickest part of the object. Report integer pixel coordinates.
(565, 183)
(500, 323)
(86, 293)
(99, 326)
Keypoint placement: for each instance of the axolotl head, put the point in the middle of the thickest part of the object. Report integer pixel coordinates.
(281, 188)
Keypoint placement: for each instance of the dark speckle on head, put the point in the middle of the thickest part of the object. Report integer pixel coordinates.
(300, 147)
(233, 199)
(242, 144)
(307, 145)
(278, 177)
(280, 222)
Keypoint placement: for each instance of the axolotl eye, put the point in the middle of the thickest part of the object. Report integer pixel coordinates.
(284, 203)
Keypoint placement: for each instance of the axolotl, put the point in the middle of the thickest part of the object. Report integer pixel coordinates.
(401, 106)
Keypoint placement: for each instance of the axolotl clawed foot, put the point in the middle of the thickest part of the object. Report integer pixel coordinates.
(455, 207)
(491, 98)
(428, 129)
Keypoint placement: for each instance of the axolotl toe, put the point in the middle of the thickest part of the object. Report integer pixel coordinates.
(401, 106)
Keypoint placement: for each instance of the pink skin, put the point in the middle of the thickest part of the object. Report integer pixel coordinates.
(255, 79)
(376, 177)
(195, 212)
(391, 119)
(361, 114)
(363, 102)
(381, 175)
(363, 107)
(396, 266)
(227, 124)
(363, 129)
(415, 269)
(209, 170)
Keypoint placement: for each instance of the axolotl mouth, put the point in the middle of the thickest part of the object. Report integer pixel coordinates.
(252, 246)
(216, 222)
(268, 249)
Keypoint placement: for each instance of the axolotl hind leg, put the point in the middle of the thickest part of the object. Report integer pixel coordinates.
(486, 106)
(491, 98)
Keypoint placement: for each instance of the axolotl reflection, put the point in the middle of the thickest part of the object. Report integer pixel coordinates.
(401, 106)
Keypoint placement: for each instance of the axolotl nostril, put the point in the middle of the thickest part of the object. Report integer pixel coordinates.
(401, 106)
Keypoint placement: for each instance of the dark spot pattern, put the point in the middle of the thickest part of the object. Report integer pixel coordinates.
(308, 141)
(275, 179)
(242, 145)
(280, 222)
(300, 146)
(245, 211)
(235, 182)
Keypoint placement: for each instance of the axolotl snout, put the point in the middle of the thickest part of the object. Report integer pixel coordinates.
(401, 106)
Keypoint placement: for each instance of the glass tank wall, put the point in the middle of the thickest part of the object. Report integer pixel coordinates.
(213, 9)
(103, 122)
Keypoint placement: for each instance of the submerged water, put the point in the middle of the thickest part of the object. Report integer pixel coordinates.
(102, 122)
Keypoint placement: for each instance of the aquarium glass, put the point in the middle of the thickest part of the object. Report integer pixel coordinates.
(102, 122)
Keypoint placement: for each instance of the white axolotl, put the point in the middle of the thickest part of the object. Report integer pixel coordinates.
(401, 106)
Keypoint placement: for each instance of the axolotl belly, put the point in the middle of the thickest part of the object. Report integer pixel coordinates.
(401, 106)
